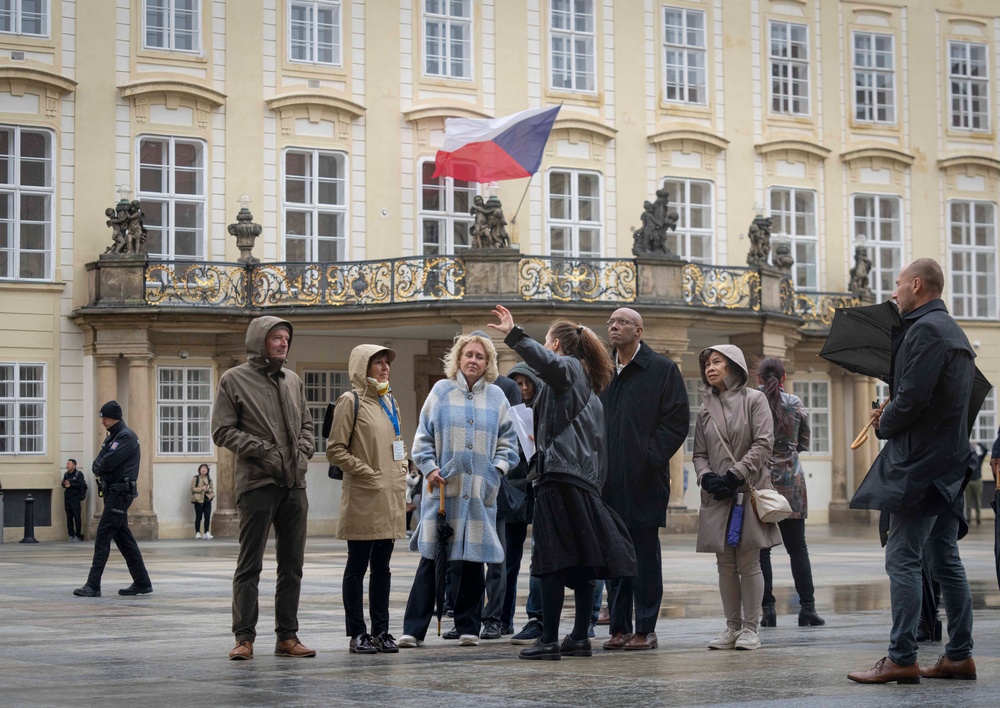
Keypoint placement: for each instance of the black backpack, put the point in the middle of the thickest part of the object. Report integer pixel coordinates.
(335, 472)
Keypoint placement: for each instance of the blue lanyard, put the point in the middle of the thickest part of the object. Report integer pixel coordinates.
(393, 416)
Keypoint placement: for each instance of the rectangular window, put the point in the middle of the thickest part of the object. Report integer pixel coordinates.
(26, 203)
(172, 193)
(684, 55)
(445, 213)
(184, 410)
(448, 38)
(573, 45)
(315, 206)
(22, 408)
(973, 252)
(314, 32)
(574, 220)
(877, 227)
(28, 17)
(323, 387)
(694, 403)
(985, 429)
(874, 78)
(815, 397)
(692, 200)
(789, 56)
(968, 81)
(172, 25)
(793, 212)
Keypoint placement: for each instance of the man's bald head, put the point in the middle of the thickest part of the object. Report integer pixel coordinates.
(629, 314)
(919, 282)
(930, 274)
(624, 329)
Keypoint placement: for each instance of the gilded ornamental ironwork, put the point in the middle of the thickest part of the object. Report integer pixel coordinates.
(180, 283)
(714, 286)
(577, 279)
(817, 308)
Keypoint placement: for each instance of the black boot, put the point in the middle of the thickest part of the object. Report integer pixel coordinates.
(768, 617)
(808, 616)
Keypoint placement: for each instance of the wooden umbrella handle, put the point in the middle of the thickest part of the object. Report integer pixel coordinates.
(441, 501)
(863, 435)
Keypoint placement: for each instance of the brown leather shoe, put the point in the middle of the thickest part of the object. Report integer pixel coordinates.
(604, 616)
(885, 671)
(945, 668)
(618, 640)
(293, 647)
(641, 640)
(243, 650)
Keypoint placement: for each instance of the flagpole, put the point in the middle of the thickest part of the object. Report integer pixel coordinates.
(513, 219)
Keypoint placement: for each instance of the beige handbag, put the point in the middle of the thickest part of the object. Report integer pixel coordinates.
(770, 506)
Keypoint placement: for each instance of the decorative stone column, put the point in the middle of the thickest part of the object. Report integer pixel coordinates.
(225, 517)
(107, 389)
(864, 394)
(142, 517)
(840, 439)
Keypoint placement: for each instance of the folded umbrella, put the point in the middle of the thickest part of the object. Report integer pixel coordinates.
(996, 530)
(735, 522)
(444, 534)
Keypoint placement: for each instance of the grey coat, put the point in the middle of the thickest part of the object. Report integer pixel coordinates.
(743, 417)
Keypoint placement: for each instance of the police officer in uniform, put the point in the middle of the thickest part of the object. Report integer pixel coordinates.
(116, 469)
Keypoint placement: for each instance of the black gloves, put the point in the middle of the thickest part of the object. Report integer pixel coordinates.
(711, 481)
(725, 487)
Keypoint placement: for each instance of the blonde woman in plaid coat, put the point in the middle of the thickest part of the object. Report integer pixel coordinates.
(465, 441)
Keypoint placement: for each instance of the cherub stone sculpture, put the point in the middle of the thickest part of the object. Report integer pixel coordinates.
(783, 256)
(859, 284)
(118, 221)
(480, 229)
(497, 223)
(136, 233)
(760, 242)
(657, 220)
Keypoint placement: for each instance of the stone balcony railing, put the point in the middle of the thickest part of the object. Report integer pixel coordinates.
(474, 276)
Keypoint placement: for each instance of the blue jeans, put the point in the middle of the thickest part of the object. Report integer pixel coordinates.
(598, 597)
(909, 539)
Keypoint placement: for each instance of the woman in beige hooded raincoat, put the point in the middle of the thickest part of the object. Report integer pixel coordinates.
(738, 417)
(372, 501)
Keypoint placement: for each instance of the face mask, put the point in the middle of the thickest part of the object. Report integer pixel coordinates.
(380, 386)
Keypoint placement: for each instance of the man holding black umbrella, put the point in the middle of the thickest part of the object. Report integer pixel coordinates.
(919, 477)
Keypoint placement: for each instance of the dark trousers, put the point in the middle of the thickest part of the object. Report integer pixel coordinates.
(361, 555)
(471, 582)
(74, 525)
(113, 526)
(496, 580)
(516, 532)
(202, 510)
(793, 535)
(286, 510)
(644, 592)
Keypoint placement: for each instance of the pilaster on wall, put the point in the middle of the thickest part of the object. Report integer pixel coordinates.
(231, 350)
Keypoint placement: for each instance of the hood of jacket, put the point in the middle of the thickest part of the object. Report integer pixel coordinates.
(736, 378)
(357, 365)
(525, 370)
(257, 332)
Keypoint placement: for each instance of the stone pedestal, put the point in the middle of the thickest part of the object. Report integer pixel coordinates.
(770, 289)
(226, 523)
(144, 525)
(682, 521)
(118, 280)
(660, 280)
(491, 275)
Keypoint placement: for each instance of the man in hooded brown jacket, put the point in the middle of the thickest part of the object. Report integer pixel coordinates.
(260, 415)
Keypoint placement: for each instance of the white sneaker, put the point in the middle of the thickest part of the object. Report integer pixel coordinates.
(208, 536)
(726, 639)
(468, 640)
(197, 534)
(408, 641)
(748, 639)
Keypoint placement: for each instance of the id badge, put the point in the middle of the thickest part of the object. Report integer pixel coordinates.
(398, 453)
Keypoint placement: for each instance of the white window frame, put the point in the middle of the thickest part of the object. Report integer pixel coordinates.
(694, 405)
(680, 241)
(442, 24)
(313, 209)
(984, 430)
(171, 199)
(874, 77)
(189, 443)
(784, 67)
(312, 44)
(819, 416)
(789, 220)
(886, 254)
(12, 13)
(577, 48)
(323, 386)
(962, 114)
(448, 218)
(686, 77)
(170, 32)
(13, 190)
(14, 443)
(573, 223)
(973, 289)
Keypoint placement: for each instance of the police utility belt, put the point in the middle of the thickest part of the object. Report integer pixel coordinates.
(126, 488)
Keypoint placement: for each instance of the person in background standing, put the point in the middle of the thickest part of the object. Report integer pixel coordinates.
(76, 491)
(974, 490)
(202, 494)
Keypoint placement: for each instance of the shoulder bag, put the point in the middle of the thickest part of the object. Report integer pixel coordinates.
(335, 472)
(770, 506)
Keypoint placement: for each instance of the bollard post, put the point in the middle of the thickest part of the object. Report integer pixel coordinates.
(29, 521)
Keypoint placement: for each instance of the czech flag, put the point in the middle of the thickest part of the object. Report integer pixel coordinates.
(495, 149)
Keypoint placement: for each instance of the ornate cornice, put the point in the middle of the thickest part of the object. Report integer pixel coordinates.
(873, 152)
(323, 100)
(421, 113)
(583, 123)
(792, 145)
(966, 161)
(189, 89)
(688, 135)
(41, 77)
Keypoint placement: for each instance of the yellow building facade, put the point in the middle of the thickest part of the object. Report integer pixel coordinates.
(850, 124)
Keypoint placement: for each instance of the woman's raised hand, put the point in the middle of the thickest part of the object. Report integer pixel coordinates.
(506, 319)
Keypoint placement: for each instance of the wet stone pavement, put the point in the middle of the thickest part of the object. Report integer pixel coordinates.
(170, 648)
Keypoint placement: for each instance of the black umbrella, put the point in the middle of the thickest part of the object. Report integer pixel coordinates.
(860, 341)
(444, 534)
(996, 530)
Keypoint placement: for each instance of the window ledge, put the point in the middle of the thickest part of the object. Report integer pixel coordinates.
(32, 286)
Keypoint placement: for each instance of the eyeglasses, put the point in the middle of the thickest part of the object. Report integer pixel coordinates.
(620, 321)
